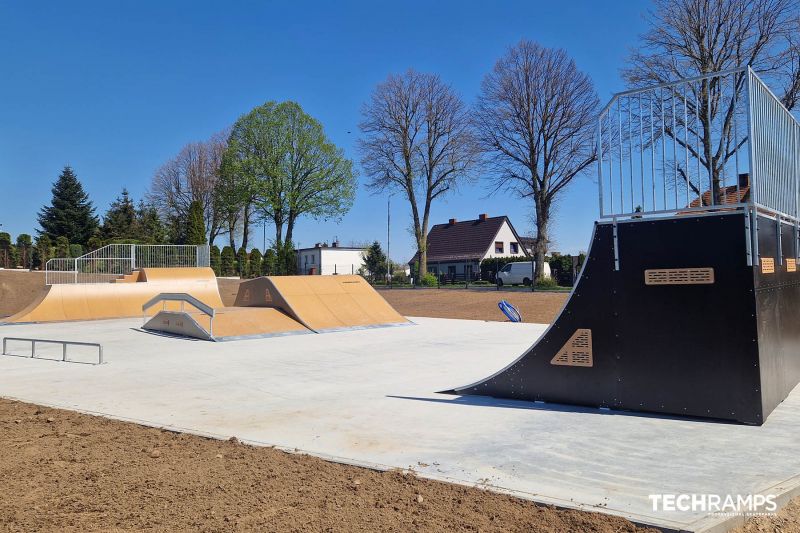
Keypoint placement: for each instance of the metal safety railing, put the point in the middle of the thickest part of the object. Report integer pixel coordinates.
(64, 345)
(183, 298)
(717, 141)
(116, 260)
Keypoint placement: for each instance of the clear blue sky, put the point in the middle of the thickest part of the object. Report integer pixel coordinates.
(116, 88)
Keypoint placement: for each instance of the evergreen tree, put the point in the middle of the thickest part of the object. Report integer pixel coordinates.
(24, 246)
(255, 262)
(75, 250)
(286, 260)
(62, 247)
(242, 263)
(70, 213)
(228, 262)
(150, 228)
(95, 242)
(120, 221)
(375, 261)
(42, 252)
(215, 260)
(268, 265)
(5, 250)
(195, 225)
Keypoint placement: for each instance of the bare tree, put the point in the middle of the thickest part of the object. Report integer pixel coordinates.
(417, 139)
(192, 175)
(690, 38)
(535, 119)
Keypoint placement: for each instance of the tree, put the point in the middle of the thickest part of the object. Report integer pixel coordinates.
(242, 263)
(42, 251)
(215, 260)
(689, 38)
(5, 250)
(280, 163)
(192, 175)
(70, 213)
(536, 117)
(375, 261)
(255, 262)
(227, 261)
(62, 247)
(417, 140)
(24, 246)
(285, 260)
(150, 228)
(269, 265)
(120, 223)
(195, 227)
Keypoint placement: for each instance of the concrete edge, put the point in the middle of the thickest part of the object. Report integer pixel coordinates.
(666, 526)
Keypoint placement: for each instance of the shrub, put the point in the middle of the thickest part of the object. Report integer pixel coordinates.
(227, 262)
(242, 263)
(215, 260)
(255, 262)
(547, 283)
(428, 280)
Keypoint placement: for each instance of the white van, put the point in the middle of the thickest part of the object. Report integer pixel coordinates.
(518, 273)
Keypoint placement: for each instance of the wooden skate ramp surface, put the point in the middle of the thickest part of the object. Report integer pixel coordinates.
(230, 323)
(97, 301)
(324, 303)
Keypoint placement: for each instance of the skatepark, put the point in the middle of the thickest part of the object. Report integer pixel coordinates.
(672, 367)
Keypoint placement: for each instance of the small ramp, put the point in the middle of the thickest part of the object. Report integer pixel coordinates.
(323, 303)
(96, 301)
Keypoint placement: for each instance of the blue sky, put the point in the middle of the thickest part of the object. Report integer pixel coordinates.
(116, 88)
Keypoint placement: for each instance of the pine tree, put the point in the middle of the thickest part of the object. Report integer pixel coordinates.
(24, 245)
(70, 213)
(150, 228)
(5, 250)
(42, 252)
(228, 262)
(255, 262)
(215, 260)
(375, 261)
(120, 221)
(195, 225)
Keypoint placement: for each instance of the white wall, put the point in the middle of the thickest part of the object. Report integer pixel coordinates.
(330, 260)
(506, 236)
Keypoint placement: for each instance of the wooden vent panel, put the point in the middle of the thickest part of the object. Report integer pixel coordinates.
(679, 276)
(767, 265)
(577, 351)
(791, 265)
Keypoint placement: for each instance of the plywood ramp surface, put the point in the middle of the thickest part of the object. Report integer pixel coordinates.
(330, 302)
(96, 301)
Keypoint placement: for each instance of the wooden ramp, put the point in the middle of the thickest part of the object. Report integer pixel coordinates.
(96, 301)
(322, 303)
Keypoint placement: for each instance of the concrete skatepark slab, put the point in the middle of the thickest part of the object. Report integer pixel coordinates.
(367, 397)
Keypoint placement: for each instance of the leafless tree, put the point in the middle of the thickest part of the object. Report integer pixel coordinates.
(417, 139)
(191, 175)
(690, 38)
(535, 119)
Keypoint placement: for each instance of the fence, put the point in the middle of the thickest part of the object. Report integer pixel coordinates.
(116, 260)
(718, 141)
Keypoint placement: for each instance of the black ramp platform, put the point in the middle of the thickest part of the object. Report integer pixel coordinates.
(684, 326)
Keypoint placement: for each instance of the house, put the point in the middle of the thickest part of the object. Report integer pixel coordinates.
(456, 249)
(333, 259)
(731, 194)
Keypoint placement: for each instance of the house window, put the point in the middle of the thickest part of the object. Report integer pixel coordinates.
(498, 247)
(514, 248)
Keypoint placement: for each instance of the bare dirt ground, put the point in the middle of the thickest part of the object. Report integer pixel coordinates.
(535, 307)
(66, 471)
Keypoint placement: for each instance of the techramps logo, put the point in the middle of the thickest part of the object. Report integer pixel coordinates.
(717, 504)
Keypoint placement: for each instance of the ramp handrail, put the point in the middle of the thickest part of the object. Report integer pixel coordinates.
(181, 297)
(63, 344)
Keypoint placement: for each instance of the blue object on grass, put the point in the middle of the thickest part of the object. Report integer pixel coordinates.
(510, 311)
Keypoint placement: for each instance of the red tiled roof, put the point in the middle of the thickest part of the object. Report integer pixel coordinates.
(728, 195)
(469, 239)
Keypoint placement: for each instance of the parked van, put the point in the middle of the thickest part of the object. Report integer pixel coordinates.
(518, 273)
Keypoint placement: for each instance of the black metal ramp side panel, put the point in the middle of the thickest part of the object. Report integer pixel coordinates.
(688, 349)
(674, 349)
(778, 301)
(532, 377)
